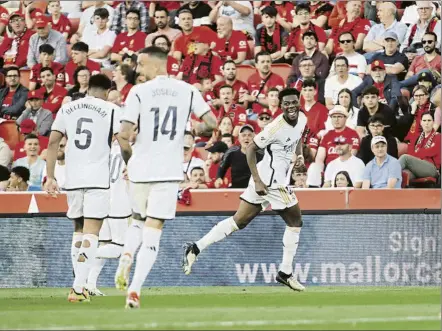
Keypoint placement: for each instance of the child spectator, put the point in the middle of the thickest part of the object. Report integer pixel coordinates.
(46, 59)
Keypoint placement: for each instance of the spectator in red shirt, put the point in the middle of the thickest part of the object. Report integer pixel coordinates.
(79, 58)
(28, 126)
(273, 101)
(58, 21)
(295, 43)
(201, 64)
(4, 19)
(46, 59)
(217, 151)
(29, 12)
(423, 158)
(53, 93)
(286, 11)
(121, 77)
(173, 66)
(320, 12)
(236, 113)
(229, 73)
(184, 45)
(264, 118)
(230, 44)
(271, 37)
(316, 112)
(339, 13)
(353, 23)
(13, 96)
(260, 83)
(14, 49)
(129, 42)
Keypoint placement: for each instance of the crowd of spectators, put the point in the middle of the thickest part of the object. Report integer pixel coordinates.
(368, 72)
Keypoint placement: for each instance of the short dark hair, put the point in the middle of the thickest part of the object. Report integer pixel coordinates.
(370, 90)
(428, 113)
(154, 51)
(31, 136)
(226, 86)
(80, 47)
(46, 69)
(431, 33)
(4, 173)
(309, 83)
(21, 172)
(305, 58)
(310, 33)
(302, 6)
(101, 12)
(196, 168)
(134, 11)
(269, 10)
(377, 118)
(12, 68)
(286, 92)
(229, 61)
(161, 8)
(169, 44)
(343, 58)
(273, 89)
(100, 82)
(262, 53)
(133, 57)
(185, 11)
(77, 71)
(46, 48)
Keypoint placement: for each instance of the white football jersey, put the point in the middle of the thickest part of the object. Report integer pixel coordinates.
(120, 206)
(89, 125)
(161, 108)
(279, 139)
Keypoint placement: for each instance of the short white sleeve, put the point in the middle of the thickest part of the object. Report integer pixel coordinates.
(199, 105)
(132, 107)
(109, 37)
(362, 64)
(265, 137)
(118, 114)
(59, 123)
(359, 167)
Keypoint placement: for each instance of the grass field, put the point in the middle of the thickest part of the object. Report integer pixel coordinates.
(319, 308)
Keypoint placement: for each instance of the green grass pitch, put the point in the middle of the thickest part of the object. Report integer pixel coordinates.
(224, 308)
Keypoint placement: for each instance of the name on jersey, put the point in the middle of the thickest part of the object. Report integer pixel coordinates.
(164, 92)
(89, 106)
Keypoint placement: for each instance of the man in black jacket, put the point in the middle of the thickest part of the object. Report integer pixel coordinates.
(13, 97)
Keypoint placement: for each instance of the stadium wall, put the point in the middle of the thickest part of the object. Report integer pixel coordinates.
(351, 249)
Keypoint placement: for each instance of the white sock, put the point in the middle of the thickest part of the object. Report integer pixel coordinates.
(145, 258)
(83, 267)
(118, 228)
(217, 233)
(97, 266)
(133, 239)
(290, 245)
(76, 238)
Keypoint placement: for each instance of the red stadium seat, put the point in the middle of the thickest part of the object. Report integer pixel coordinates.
(405, 179)
(256, 20)
(24, 77)
(426, 182)
(282, 69)
(9, 132)
(244, 71)
(75, 22)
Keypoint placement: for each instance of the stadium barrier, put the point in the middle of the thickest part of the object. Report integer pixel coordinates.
(383, 246)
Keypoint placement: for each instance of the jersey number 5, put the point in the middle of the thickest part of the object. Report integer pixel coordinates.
(81, 131)
(171, 112)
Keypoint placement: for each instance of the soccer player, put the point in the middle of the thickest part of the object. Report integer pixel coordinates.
(89, 125)
(280, 139)
(161, 108)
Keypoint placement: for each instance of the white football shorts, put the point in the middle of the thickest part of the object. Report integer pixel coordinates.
(278, 197)
(88, 203)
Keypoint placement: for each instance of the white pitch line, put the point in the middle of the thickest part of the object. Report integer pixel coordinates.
(207, 324)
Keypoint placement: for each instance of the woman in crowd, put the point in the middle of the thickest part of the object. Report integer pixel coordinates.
(343, 179)
(81, 78)
(345, 99)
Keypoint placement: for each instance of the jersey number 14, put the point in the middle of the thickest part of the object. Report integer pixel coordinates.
(171, 115)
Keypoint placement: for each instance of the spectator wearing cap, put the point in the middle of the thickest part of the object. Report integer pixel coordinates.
(230, 45)
(228, 108)
(5, 154)
(320, 66)
(296, 39)
(40, 116)
(53, 94)
(32, 160)
(27, 127)
(241, 13)
(4, 19)
(13, 96)
(357, 65)
(353, 23)
(395, 62)
(216, 154)
(260, 83)
(387, 85)
(18, 179)
(371, 106)
(235, 159)
(423, 157)
(101, 39)
(429, 62)
(173, 66)
(229, 73)
(121, 77)
(340, 81)
(46, 35)
(264, 118)
(316, 112)
(119, 24)
(191, 159)
(345, 99)
(375, 39)
(184, 45)
(46, 59)
(129, 42)
(200, 12)
(416, 32)
(29, 12)
(79, 55)
(346, 161)
(59, 22)
(14, 48)
(162, 20)
(384, 171)
(271, 36)
(325, 151)
(376, 128)
(201, 64)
